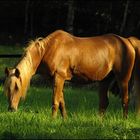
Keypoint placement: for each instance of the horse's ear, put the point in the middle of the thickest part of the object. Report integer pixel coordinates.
(17, 73)
(7, 71)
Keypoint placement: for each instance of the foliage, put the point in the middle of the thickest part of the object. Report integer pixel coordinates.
(31, 19)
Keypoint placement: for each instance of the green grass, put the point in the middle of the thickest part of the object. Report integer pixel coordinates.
(11, 49)
(9, 62)
(33, 119)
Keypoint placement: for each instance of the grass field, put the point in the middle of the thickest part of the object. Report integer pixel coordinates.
(33, 119)
(6, 62)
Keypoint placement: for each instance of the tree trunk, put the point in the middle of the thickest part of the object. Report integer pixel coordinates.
(124, 17)
(31, 23)
(108, 21)
(70, 16)
(29, 18)
(32, 18)
(26, 16)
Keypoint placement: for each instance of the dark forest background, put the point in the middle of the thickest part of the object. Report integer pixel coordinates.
(22, 20)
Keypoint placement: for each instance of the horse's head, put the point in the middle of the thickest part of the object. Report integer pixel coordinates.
(12, 87)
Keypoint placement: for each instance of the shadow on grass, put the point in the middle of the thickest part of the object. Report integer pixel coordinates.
(9, 135)
(136, 131)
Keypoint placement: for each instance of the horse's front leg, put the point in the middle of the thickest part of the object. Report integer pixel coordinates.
(58, 98)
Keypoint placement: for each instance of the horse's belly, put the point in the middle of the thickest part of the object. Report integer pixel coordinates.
(96, 73)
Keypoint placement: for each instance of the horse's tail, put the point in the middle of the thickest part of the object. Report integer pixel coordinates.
(136, 72)
(114, 87)
(135, 42)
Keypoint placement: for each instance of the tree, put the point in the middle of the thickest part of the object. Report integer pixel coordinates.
(29, 18)
(26, 16)
(124, 17)
(70, 16)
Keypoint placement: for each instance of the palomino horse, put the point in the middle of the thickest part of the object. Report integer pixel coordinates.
(63, 56)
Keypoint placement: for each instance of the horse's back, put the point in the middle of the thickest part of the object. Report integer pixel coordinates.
(100, 55)
(90, 57)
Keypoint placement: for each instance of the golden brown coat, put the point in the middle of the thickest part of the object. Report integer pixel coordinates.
(63, 56)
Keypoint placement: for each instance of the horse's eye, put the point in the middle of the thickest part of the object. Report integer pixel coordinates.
(16, 86)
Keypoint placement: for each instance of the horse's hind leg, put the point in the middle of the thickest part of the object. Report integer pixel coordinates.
(123, 81)
(103, 95)
(137, 94)
(137, 82)
(124, 94)
(58, 99)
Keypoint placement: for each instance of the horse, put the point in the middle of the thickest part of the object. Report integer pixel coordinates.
(63, 56)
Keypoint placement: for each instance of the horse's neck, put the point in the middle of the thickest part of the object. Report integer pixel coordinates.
(26, 71)
(27, 67)
(31, 60)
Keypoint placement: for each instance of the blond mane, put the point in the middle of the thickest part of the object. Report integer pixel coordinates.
(26, 63)
(39, 43)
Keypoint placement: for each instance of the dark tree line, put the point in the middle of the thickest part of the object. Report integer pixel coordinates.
(21, 20)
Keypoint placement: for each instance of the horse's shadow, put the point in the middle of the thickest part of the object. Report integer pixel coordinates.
(9, 135)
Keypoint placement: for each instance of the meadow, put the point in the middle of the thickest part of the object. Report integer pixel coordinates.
(8, 62)
(33, 119)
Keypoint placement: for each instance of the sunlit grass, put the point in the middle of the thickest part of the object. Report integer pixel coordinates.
(33, 118)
